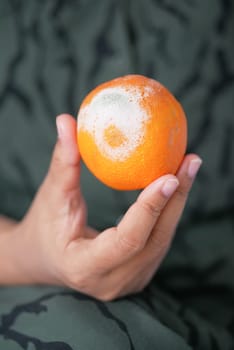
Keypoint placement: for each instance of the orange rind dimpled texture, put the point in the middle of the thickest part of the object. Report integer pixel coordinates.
(160, 122)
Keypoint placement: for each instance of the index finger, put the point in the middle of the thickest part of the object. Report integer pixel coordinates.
(119, 244)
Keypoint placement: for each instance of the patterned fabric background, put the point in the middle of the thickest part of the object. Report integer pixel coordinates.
(51, 54)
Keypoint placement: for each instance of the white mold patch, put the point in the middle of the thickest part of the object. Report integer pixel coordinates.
(119, 108)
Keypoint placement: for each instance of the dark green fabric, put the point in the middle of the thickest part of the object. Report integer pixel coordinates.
(51, 54)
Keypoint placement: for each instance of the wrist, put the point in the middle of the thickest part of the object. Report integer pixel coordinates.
(20, 261)
(10, 251)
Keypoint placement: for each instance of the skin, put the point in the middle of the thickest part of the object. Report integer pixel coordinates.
(52, 244)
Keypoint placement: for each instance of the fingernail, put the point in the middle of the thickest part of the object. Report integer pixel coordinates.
(193, 167)
(169, 187)
(59, 129)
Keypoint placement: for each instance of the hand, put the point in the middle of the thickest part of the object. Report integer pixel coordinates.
(61, 249)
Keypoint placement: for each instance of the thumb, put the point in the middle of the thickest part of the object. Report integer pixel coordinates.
(64, 170)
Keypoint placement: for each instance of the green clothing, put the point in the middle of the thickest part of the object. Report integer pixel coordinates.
(51, 54)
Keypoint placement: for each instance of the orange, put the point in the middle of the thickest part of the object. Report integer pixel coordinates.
(131, 130)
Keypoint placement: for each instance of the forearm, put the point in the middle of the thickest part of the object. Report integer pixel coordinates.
(20, 263)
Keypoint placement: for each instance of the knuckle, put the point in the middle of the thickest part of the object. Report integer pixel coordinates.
(151, 209)
(182, 193)
(52, 176)
(73, 204)
(130, 245)
(55, 162)
(159, 240)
